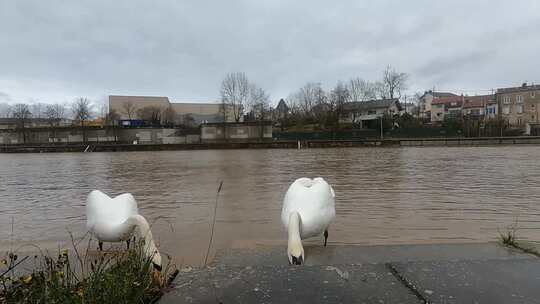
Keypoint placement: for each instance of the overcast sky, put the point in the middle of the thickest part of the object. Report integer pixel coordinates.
(56, 50)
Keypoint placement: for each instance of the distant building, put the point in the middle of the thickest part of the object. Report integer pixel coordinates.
(519, 106)
(492, 108)
(281, 111)
(133, 108)
(479, 107)
(426, 100)
(446, 108)
(409, 108)
(363, 112)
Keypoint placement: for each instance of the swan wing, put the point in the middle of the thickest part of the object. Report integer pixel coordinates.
(100, 208)
(313, 199)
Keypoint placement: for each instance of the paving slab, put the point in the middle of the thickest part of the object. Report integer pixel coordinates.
(492, 281)
(448, 273)
(290, 284)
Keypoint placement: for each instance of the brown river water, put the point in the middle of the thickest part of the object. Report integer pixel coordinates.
(383, 195)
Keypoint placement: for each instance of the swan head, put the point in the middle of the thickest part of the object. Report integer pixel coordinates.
(153, 254)
(295, 252)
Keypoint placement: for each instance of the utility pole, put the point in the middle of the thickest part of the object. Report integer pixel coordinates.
(405, 97)
(381, 117)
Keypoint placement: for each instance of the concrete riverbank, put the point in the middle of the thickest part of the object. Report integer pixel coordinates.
(392, 142)
(461, 273)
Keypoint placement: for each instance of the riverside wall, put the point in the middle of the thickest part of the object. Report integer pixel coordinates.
(269, 144)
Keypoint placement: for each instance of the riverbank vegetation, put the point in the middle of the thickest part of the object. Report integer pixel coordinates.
(509, 238)
(119, 276)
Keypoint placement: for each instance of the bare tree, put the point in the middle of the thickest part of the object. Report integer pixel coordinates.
(235, 91)
(393, 83)
(168, 116)
(361, 90)
(296, 115)
(22, 115)
(417, 101)
(309, 104)
(259, 103)
(309, 96)
(38, 109)
(82, 112)
(380, 90)
(111, 118)
(150, 113)
(338, 97)
(21, 112)
(103, 110)
(129, 108)
(54, 114)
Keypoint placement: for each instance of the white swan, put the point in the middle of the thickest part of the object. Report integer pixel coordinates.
(308, 209)
(115, 220)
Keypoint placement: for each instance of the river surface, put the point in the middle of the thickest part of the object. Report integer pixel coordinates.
(383, 195)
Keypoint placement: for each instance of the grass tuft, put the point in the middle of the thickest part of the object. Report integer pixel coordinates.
(510, 238)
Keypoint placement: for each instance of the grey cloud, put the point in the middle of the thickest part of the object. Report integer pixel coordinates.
(56, 50)
(4, 97)
(455, 64)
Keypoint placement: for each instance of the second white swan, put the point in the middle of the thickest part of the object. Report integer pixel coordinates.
(116, 219)
(308, 210)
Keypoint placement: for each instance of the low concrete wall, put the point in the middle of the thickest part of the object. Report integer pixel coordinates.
(481, 141)
(93, 136)
(235, 132)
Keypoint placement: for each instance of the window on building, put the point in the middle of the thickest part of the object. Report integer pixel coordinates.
(506, 99)
(519, 99)
(532, 94)
(506, 110)
(519, 108)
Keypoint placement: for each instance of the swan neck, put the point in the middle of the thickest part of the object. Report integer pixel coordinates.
(143, 228)
(144, 232)
(294, 227)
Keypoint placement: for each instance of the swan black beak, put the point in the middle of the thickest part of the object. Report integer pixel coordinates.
(297, 260)
(157, 267)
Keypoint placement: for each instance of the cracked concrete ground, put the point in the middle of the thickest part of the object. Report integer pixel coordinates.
(459, 273)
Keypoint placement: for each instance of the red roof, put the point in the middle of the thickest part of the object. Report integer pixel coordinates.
(477, 101)
(453, 101)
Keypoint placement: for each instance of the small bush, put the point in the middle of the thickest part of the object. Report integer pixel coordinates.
(105, 277)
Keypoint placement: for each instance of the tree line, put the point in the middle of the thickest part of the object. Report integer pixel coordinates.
(240, 99)
(310, 103)
(81, 110)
